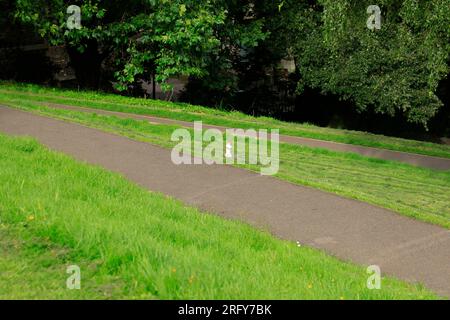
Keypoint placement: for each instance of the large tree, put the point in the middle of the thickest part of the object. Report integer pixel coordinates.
(141, 38)
(396, 69)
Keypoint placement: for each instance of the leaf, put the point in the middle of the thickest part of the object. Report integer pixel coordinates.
(182, 10)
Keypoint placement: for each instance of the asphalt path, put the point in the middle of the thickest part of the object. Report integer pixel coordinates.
(350, 230)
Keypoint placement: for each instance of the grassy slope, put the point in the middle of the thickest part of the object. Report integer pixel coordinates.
(155, 245)
(416, 192)
(33, 268)
(212, 116)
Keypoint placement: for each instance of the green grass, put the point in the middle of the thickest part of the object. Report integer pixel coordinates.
(146, 244)
(180, 111)
(35, 268)
(416, 192)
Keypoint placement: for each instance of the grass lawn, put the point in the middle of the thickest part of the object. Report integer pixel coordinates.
(187, 112)
(130, 242)
(35, 268)
(412, 191)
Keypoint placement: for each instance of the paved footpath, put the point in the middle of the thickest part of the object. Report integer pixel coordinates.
(351, 230)
(436, 163)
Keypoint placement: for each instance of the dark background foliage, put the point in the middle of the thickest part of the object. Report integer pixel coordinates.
(393, 81)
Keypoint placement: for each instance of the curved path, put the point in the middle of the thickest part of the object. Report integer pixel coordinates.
(436, 163)
(351, 230)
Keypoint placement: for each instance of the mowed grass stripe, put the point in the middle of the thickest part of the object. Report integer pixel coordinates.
(186, 112)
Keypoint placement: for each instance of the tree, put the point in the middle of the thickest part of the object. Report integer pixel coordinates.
(242, 33)
(396, 69)
(137, 40)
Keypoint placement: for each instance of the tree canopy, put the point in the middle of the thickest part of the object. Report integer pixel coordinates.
(142, 38)
(393, 70)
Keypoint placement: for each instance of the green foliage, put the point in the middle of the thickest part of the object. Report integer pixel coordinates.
(243, 30)
(227, 44)
(143, 38)
(394, 70)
